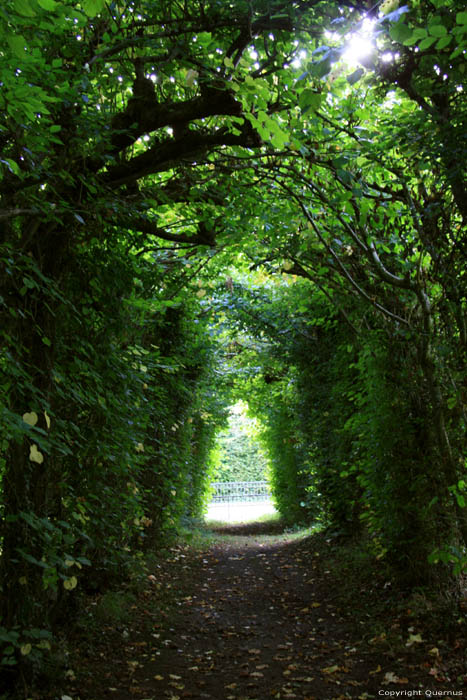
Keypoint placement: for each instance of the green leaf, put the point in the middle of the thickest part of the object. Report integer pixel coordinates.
(444, 41)
(17, 44)
(48, 5)
(24, 8)
(416, 35)
(93, 7)
(400, 32)
(309, 99)
(437, 30)
(426, 43)
(355, 76)
(461, 18)
(321, 68)
(13, 167)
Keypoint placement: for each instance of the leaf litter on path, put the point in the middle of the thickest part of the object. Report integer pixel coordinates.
(253, 618)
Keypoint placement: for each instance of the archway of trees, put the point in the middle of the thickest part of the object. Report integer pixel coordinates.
(203, 201)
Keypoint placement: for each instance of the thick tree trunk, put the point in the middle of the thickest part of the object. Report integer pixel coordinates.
(26, 481)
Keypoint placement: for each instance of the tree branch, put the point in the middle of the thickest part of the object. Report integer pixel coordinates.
(11, 213)
(169, 153)
(143, 114)
(203, 237)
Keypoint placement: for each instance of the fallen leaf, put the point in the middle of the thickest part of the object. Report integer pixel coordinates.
(414, 639)
(392, 678)
(380, 638)
(389, 678)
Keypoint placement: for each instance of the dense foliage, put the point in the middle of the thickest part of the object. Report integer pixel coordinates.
(202, 201)
(238, 455)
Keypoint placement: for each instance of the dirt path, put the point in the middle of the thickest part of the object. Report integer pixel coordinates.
(257, 617)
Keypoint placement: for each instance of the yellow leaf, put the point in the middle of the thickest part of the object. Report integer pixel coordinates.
(315, 605)
(390, 677)
(70, 583)
(47, 419)
(330, 669)
(35, 455)
(23, 581)
(31, 418)
(377, 670)
(69, 562)
(159, 678)
(414, 639)
(200, 293)
(44, 644)
(388, 6)
(25, 649)
(139, 447)
(191, 76)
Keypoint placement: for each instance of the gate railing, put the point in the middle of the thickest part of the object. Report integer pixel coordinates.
(232, 491)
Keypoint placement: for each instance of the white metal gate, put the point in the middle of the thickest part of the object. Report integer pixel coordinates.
(240, 491)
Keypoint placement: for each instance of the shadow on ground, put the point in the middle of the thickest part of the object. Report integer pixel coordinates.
(253, 529)
(244, 618)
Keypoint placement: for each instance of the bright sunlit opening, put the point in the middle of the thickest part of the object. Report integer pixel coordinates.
(360, 45)
(358, 48)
